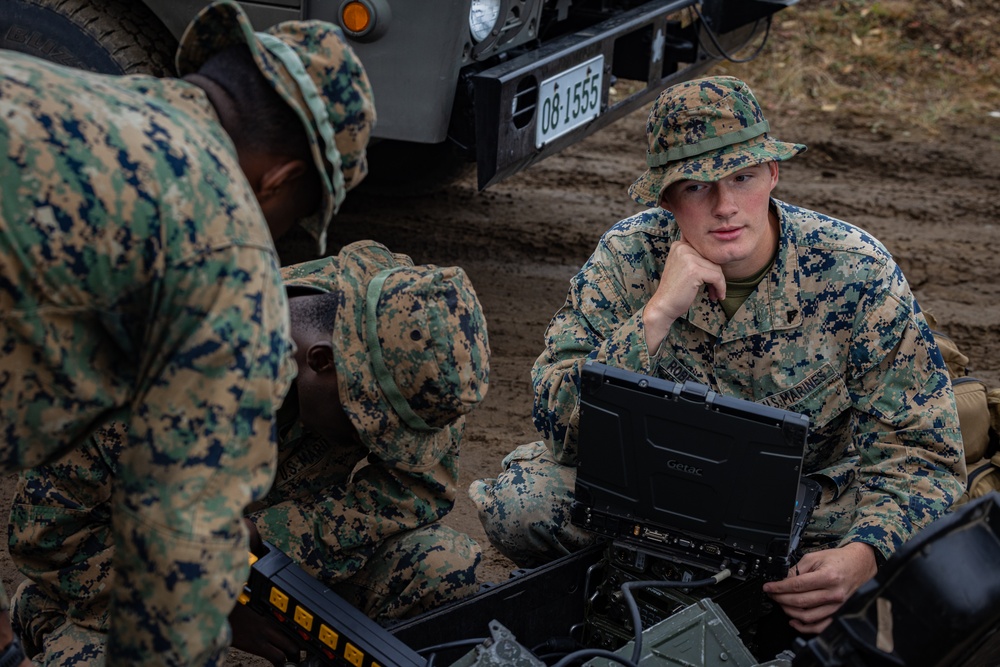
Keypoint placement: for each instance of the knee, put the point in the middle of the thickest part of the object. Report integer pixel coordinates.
(414, 572)
(526, 509)
(531, 488)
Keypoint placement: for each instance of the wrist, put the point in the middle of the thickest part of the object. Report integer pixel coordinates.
(656, 326)
(872, 555)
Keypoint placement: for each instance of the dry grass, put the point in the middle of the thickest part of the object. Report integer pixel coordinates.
(896, 65)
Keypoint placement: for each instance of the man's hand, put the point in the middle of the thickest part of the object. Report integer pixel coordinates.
(821, 582)
(255, 541)
(684, 274)
(256, 635)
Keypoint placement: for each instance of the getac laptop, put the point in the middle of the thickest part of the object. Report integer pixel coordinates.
(683, 472)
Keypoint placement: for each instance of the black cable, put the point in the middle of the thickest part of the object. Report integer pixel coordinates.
(633, 606)
(722, 51)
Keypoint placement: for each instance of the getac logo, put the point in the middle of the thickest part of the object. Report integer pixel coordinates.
(683, 467)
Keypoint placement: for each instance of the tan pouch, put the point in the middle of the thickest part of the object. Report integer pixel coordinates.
(973, 416)
(984, 477)
(993, 403)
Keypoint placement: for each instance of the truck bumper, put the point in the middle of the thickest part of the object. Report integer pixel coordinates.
(645, 45)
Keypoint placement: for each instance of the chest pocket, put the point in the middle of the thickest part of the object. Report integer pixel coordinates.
(823, 397)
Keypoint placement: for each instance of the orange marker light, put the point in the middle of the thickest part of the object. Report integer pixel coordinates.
(356, 16)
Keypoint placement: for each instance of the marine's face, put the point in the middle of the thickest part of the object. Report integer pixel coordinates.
(292, 197)
(320, 409)
(317, 389)
(727, 221)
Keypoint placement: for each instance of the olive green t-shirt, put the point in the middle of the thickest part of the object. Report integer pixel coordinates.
(738, 290)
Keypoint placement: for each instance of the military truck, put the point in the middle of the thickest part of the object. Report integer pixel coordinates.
(496, 83)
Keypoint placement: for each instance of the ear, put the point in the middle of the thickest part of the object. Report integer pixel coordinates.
(283, 171)
(664, 202)
(319, 356)
(773, 164)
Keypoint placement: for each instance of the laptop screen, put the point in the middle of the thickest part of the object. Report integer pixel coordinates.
(681, 470)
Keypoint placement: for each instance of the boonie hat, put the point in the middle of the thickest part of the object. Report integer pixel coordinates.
(317, 73)
(410, 347)
(704, 130)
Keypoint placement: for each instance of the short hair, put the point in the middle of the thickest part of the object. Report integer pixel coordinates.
(315, 313)
(265, 121)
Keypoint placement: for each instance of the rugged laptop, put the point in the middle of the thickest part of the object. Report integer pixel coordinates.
(680, 471)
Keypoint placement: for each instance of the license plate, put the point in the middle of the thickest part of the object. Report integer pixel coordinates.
(568, 100)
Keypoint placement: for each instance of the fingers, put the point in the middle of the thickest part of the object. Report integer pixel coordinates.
(812, 628)
(684, 275)
(255, 540)
(825, 580)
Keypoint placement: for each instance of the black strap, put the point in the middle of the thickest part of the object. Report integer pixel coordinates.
(13, 655)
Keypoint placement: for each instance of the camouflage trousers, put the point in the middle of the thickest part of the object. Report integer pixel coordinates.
(525, 510)
(410, 573)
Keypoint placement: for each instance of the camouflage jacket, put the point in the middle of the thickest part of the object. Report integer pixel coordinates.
(139, 281)
(333, 504)
(832, 331)
(61, 534)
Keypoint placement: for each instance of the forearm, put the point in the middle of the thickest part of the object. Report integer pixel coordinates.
(172, 595)
(556, 374)
(906, 480)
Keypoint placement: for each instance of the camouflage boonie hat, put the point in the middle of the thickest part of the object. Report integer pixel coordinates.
(317, 73)
(410, 346)
(704, 130)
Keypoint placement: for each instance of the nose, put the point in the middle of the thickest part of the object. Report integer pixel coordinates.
(725, 205)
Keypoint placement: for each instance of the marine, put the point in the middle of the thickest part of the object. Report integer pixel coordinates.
(139, 282)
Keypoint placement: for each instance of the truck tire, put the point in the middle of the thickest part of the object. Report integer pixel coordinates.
(106, 36)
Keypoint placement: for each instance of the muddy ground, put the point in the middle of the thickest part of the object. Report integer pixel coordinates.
(934, 202)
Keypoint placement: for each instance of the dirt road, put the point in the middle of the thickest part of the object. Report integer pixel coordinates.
(934, 202)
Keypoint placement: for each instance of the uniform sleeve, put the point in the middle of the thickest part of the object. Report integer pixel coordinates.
(598, 321)
(201, 447)
(907, 438)
(333, 534)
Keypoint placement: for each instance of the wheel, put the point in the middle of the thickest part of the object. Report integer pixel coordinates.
(408, 169)
(107, 36)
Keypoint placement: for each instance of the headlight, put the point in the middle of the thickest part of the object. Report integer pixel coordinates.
(482, 17)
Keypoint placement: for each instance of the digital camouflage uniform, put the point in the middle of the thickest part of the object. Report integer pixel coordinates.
(374, 536)
(831, 331)
(412, 359)
(139, 283)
